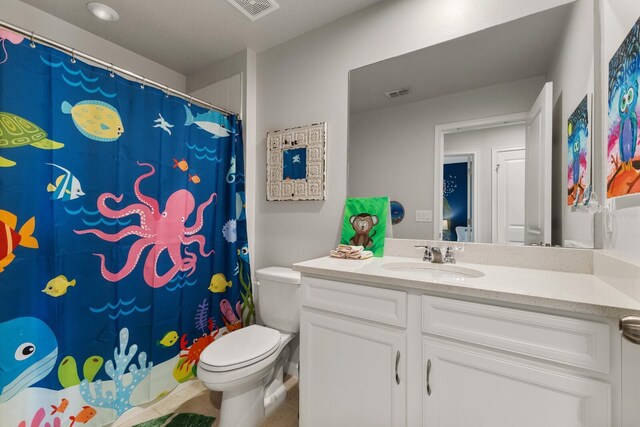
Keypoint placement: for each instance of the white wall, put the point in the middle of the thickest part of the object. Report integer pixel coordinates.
(217, 71)
(391, 149)
(306, 81)
(482, 142)
(226, 93)
(30, 18)
(573, 77)
(619, 16)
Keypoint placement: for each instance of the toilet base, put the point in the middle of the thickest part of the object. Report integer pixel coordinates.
(276, 391)
(242, 408)
(247, 407)
(252, 392)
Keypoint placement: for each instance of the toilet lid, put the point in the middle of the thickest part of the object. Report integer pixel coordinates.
(241, 348)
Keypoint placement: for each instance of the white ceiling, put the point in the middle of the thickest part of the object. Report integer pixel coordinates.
(516, 50)
(189, 35)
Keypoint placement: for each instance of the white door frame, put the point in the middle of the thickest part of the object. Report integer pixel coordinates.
(474, 186)
(494, 189)
(438, 155)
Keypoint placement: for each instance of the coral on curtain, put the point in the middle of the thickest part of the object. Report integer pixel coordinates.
(123, 244)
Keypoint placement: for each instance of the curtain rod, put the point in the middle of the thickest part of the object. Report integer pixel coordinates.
(113, 68)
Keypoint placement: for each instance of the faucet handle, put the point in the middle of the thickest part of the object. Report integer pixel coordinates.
(448, 257)
(428, 255)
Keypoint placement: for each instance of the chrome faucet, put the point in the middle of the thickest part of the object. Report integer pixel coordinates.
(436, 255)
(433, 254)
(428, 255)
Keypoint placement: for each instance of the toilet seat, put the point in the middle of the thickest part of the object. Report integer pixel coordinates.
(241, 348)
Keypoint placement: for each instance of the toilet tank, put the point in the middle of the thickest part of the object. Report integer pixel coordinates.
(279, 298)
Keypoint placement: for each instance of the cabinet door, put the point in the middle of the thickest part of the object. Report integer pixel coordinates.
(630, 384)
(470, 387)
(351, 374)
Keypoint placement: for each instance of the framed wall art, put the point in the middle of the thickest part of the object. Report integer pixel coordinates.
(579, 153)
(296, 164)
(623, 177)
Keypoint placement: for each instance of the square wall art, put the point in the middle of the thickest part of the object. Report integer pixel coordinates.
(579, 153)
(623, 154)
(296, 163)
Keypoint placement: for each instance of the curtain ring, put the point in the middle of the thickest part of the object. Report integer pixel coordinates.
(111, 71)
(73, 56)
(32, 44)
(144, 80)
(190, 100)
(166, 91)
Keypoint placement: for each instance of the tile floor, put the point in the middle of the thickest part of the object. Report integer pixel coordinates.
(193, 397)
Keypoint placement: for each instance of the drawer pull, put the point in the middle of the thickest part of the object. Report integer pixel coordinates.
(429, 377)
(397, 363)
(630, 328)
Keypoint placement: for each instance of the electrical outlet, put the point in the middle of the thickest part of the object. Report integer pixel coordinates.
(424, 216)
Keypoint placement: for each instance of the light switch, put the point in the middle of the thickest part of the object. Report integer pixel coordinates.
(424, 216)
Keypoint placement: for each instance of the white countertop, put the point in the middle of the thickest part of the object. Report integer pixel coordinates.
(575, 292)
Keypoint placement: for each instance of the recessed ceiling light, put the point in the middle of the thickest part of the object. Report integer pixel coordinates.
(103, 12)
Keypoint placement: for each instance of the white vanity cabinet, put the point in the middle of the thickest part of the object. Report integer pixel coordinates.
(352, 360)
(458, 363)
(493, 366)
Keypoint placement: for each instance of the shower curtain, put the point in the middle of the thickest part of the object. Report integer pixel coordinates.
(123, 244)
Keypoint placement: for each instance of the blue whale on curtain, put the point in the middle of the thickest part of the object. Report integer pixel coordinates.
(124, 249)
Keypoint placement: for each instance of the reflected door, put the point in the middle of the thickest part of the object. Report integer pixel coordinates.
(509, 170)
(538, 164)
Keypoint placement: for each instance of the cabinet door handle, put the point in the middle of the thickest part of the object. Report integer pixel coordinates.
(630, 328)
(397, 363)
(429, 377)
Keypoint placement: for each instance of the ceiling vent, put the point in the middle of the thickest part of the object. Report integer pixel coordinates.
(397, 93)
(255, 9)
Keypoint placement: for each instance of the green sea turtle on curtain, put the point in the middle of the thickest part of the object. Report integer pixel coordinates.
(16, 131)
(125, 250)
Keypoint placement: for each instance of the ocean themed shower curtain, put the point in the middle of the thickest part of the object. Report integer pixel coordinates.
(123, 244)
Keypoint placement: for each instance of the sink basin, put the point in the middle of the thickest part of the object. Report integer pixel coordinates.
(443, 271)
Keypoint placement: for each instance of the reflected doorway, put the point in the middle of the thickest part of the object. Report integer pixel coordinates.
(458, 196)
(471, 152)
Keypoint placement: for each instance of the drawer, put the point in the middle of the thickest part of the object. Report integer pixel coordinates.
(575, 342)
(360, 301)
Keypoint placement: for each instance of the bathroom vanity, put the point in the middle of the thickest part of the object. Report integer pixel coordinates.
(395, 341)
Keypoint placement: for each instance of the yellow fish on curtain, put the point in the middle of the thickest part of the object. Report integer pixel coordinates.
(123, 248)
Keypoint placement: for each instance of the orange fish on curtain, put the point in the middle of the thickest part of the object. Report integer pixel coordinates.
(10, 239)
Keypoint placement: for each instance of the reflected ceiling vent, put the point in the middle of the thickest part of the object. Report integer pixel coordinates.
(255, 9)
(397, 93)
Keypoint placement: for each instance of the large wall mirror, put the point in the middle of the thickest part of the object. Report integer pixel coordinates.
(485, 138)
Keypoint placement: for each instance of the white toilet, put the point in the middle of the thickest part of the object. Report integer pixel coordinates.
(247, 366)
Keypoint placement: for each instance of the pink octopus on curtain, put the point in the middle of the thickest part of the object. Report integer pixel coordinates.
(162, 230)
